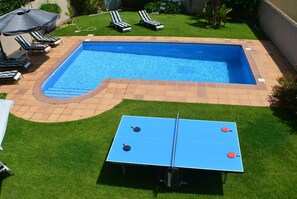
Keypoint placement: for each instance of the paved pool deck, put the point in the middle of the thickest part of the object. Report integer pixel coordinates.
(266, 61)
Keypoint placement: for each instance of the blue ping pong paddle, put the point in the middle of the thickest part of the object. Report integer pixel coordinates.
(136, 128)
(126, 147)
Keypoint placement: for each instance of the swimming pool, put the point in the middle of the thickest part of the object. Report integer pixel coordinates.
(91, 62)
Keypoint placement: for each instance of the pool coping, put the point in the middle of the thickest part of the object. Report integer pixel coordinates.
(37, 92)
(271, 64)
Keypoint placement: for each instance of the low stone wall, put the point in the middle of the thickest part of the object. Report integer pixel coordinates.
(280, 28)
(287, 6)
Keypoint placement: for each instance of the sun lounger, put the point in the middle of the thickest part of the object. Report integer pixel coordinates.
(32, 47)
(14, 64)
(117, 22)
(37, 36)
(145, 19)
(10, 75)
(4, 169)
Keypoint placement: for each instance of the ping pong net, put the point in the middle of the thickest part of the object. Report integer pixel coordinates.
(174, 141)
(173, 177)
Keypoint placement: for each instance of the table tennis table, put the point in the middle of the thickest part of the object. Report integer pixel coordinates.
(177, 144)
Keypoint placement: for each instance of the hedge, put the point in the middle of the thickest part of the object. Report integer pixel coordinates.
(9, 5)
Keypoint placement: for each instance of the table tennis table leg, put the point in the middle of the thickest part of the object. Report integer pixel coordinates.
(181, 180)
(167, 175)
(174, 178)
(123, 169)
(225, 176)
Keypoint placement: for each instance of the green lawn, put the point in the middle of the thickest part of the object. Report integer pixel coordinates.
(2, 95)
(67, 160)
(175, 25)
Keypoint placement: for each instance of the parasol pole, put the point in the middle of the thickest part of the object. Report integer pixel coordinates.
(2, 51)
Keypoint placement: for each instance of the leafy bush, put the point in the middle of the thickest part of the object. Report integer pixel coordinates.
(8, 5)
(216, 13)
(286, 91)
(153, 6)
(171, 7)
(70, 12)
(51, 7)
(163, 7)
(82, 7)
(92, 6)
(245, 9)
(3, 95)
(134, 4)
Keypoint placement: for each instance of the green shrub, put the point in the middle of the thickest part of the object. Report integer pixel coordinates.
(3, 95)
(92, 6)
(216, 13)
(7, 6)
(70, 12)
(51, 7)
(153, 6)
(134, 4)
(243, 9)
(83, 7)
(163, 7)
(286, 91)
(171, 7)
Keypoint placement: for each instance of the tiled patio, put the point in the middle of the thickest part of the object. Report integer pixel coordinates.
(265, 59)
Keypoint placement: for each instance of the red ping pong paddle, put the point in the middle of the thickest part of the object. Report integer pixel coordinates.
(226, 129)
(232, 155)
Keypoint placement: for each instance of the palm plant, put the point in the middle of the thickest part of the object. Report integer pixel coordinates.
(223, 12)
(215, 12)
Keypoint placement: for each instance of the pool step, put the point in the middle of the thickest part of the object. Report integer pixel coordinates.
(65, 93)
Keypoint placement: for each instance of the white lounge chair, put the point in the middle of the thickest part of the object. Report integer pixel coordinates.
(14, 64)
(10, 75)
(145, 19)
(4, 169)
(117, 22)
(32, 47)
(37, 36)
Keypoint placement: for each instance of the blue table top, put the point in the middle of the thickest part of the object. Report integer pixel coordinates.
(200, 144)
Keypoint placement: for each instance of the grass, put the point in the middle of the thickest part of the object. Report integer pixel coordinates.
(175, 25)
(67, 160)
(3, 95)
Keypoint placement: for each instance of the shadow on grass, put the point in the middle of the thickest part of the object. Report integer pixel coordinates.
(201, 182)
(258, 32)
(288, 117)
(3, 176)
(145, 27)
(147, 177)
(138, 177)
(199, 22)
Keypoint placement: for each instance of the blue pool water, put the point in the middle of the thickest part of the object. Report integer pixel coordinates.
(91, 62)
